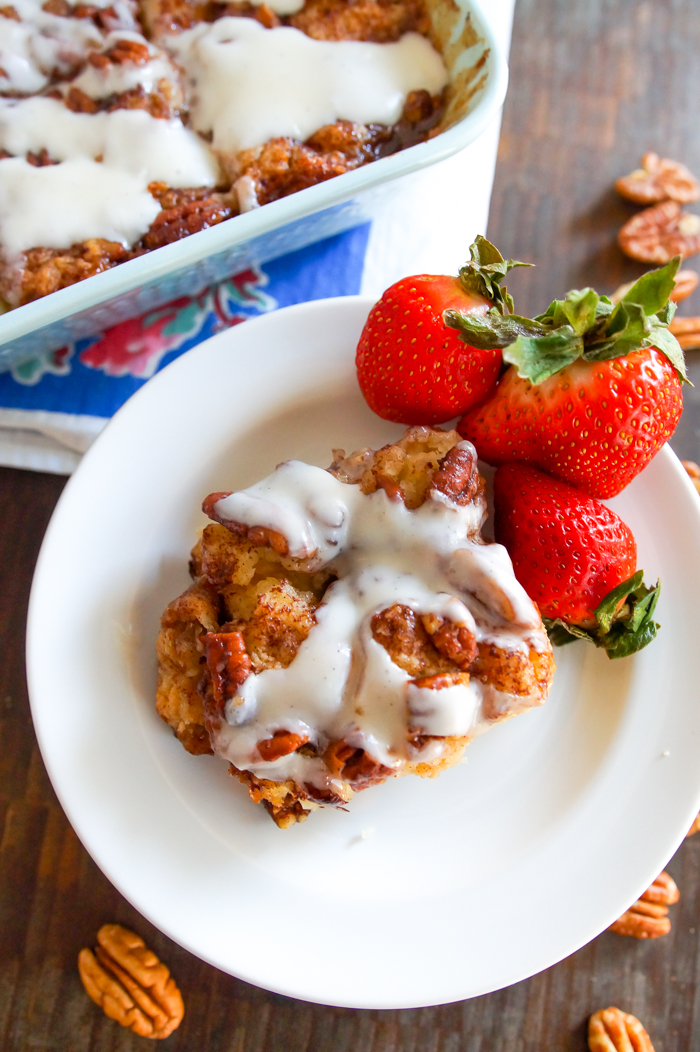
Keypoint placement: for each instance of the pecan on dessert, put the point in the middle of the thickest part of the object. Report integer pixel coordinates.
(611, 1030)
(657, 234)
(659, 179)
(647, 918)
(130, 984)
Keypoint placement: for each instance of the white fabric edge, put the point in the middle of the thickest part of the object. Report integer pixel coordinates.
(38, 440)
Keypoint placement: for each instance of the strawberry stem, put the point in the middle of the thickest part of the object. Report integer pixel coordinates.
(485, 272)
(582, 325)
(624, 620)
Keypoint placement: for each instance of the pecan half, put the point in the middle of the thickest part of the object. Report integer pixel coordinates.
(611, 1030)
(659, 179)
(130, 984)
(658, 234)
(687, 332)
(228, 663)
(457, 478)
(686, 282)
(282, 743)
(354, 765)
(647, 918)
(452, 640)
(663, 890)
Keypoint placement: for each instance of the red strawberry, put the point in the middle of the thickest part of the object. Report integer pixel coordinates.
(575, 558)
(593, 390)
(593, 424)
(414, 370)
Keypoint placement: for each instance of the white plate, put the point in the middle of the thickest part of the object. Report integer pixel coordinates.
(426, 891)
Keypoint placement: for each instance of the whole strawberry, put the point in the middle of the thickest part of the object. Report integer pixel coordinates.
(576, 559)
(593, 390)
(413, 369)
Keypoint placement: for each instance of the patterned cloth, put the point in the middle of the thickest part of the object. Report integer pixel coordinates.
(74, 390)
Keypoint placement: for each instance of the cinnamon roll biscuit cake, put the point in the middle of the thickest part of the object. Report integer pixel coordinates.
(349, 625)
(125, 125)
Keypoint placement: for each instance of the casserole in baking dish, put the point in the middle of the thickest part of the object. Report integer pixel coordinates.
(447, 108)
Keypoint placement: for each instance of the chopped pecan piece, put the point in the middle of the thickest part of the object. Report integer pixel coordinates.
(282, 743)
(158, 103)
(438, 682)
(8, 11)
(647, 918)
(354, 765)
(696, 479)
(659, 179)
(611, 1030)
(124, 51)
(687, 332)
(686, 282)
(454, 641)
(458, 476)
(658, 234)
(130, 984)
(228, 663)
(40, 159)
(78, 102)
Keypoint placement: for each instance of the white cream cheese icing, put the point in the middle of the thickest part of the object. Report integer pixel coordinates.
(127, 140)
(249, 84)
(61, 204)
(80, 198)
(342, 684)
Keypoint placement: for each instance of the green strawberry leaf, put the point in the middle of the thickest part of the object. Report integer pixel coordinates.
(485, 272)
(665, 315)
(625, 331)
(607, 608)
(666, 342)
(561, 633)
(627, 643)
(491, 330)
(538, 357)
(583, 324)
(624, 620)
(652, 290)
(578, 309)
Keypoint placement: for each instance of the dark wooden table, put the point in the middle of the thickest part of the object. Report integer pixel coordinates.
(594, 83)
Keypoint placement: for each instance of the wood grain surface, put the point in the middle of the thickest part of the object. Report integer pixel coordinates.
(594, 83)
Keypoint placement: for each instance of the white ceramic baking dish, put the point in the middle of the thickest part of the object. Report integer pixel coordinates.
(478, 77)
